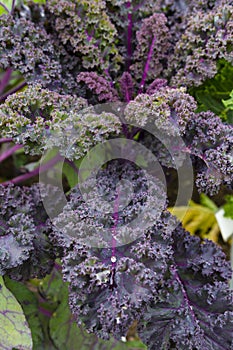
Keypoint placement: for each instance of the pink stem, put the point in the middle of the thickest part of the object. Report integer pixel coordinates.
(127, 94)
(72, 165)
(12, 7)
(35, 172)
(57, 266)
(5, 79)
(125, 131)
(45, 312)
(12, 91)
(147, 65)
(129, 36)
(6, 140)
(9, 152)
(4, 6)
(176, 275)
(114, 229)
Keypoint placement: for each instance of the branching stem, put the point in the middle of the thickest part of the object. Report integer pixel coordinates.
(12, 91)
(6, 140)
(147, 65)
(5, 80)
(129, 37)
(35, 172)
(4, 6)
(9, 152)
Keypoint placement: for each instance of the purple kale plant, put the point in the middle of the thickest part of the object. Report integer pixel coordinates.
(89, 73)
(174, 286)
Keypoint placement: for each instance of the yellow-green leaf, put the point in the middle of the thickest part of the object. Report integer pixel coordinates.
(198, 220)
(14, 330)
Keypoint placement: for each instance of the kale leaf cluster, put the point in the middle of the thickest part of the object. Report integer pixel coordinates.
(78, 55)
